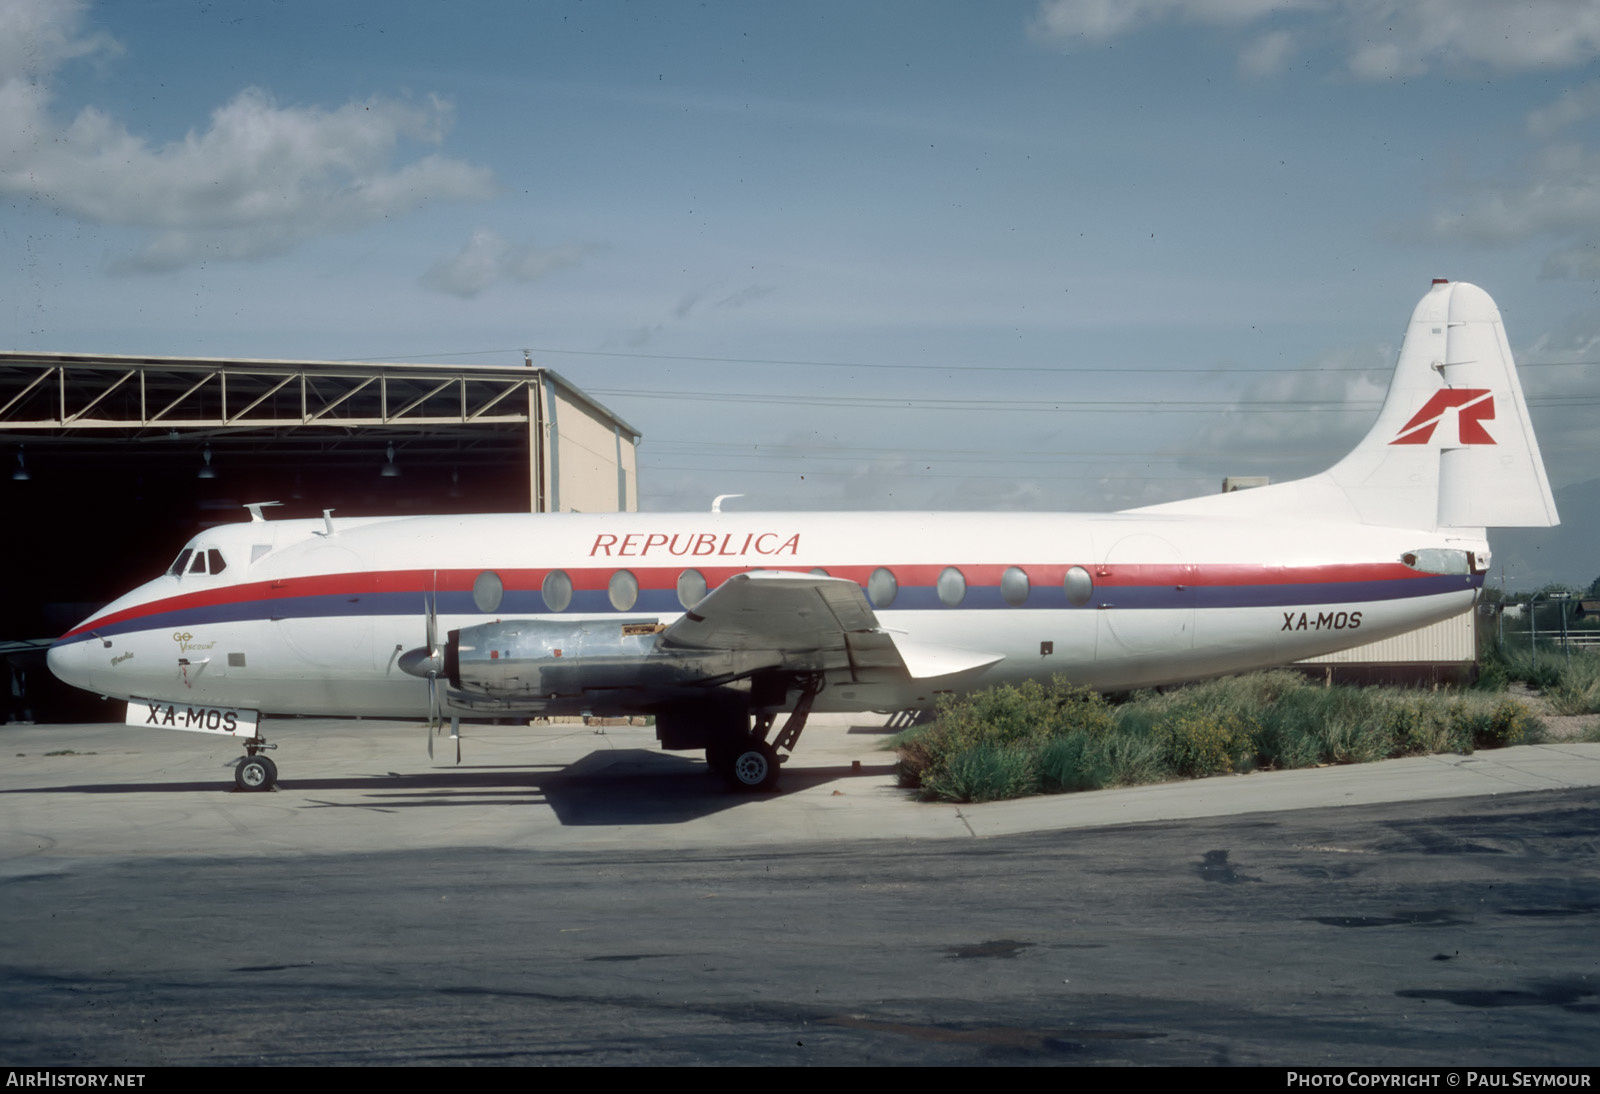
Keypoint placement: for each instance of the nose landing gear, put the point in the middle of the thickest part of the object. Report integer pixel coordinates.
(255, 773)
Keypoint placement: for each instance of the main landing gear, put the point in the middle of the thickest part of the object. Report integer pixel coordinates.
(749, 764)
(255, 772)
(744, 757)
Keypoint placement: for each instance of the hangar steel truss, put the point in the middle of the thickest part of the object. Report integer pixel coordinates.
(80, 391)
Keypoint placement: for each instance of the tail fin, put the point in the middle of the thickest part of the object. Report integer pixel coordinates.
(1452, 447)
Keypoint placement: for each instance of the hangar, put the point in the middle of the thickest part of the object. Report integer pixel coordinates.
(113, 462)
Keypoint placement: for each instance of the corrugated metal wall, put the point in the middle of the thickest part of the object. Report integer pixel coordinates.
(1449, 641)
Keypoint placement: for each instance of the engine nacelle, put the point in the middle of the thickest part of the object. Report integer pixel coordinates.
(543, 660)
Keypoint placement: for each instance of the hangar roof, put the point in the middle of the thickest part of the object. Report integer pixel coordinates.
(49, 392)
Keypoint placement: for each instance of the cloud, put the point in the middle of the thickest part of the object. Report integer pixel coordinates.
(1099, 20)
(747, 295)
(36, 36)
(1574, 105)
(1378, 39)
(259, 180)
(1267, 55)
(489, 258)
(1406, 37)
(690, 303)
(1328, 408)
(1557, 194)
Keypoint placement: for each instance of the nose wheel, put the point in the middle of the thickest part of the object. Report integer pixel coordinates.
(255, 773)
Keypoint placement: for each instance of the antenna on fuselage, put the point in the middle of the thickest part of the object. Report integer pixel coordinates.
(255, 508)
(716, 502)
(327, 521)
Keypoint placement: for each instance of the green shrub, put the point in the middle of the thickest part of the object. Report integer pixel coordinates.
(1010, 741)
(973, 746)
(1421, 724)
(1491, 724)
(1577, 690)
(983, 773)
(1206, 741)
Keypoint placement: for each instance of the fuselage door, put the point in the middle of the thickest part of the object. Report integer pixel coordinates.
(1145, 594)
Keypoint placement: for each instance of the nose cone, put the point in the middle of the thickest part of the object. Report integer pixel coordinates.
(69, 661)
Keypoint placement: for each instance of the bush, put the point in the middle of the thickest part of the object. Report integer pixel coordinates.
(1577, 690)
(1491, 724)
(1010, 741)
(974, 744)
(983, 773)
(1206, 742)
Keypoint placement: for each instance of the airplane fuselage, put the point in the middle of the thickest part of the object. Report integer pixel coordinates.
(301, 620)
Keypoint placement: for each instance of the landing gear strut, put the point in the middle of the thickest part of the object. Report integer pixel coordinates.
(255, 773)
(745, 758)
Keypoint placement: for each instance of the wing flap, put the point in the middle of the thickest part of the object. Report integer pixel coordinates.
(806, 622)
(774, 610)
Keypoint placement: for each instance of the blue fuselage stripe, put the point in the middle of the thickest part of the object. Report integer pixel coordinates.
(520, 603)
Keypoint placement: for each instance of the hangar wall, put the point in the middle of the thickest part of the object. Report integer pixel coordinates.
(112, 462)
(592, 467)
(1445, 652)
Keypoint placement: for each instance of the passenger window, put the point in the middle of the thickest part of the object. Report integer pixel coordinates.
(557, 590)
(214, 556)
(952, 587)
(1014, 586)
(691, 588)
(882, 588)
(487, 591)
(1079, 586)
(623, 590)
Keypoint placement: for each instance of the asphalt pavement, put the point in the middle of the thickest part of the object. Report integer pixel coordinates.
(572, 894)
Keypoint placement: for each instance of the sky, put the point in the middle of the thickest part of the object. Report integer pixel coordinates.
(1044, 255)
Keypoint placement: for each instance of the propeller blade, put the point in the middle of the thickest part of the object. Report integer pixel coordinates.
(427, 661)
(431, 604)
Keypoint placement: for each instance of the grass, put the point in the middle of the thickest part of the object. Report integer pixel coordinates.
(1570, 680)
(1012, 741)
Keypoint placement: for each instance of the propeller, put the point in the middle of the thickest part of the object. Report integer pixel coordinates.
(428, 661)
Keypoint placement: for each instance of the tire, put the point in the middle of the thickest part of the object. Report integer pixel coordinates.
(255, 774)
(754, 766)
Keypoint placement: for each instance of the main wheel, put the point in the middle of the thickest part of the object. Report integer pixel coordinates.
(754, 766)
(255, 773)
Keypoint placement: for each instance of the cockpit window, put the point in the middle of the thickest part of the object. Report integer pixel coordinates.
(214, 557)
(180, 562)
(198, 566)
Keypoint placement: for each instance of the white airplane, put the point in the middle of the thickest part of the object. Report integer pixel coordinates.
(717, 623)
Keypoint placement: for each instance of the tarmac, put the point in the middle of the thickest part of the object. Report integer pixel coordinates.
(571, 894)
(361, 786)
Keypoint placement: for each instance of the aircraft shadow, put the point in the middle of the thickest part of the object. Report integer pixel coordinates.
(610, 787)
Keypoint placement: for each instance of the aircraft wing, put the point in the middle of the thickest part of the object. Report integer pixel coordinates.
(806, 622)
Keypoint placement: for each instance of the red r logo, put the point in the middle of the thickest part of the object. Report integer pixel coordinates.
(1476, 406)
